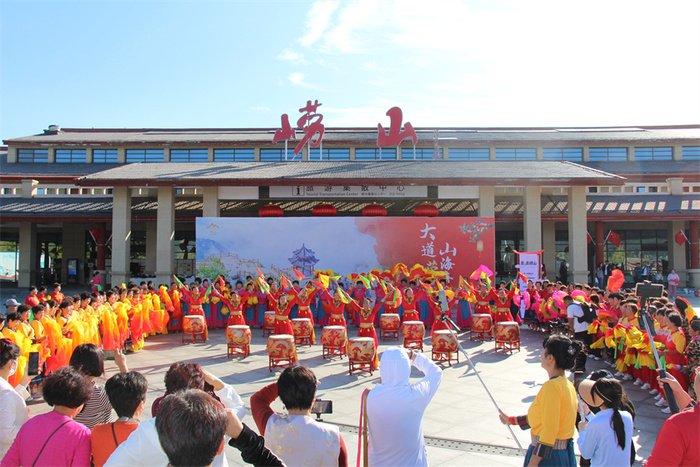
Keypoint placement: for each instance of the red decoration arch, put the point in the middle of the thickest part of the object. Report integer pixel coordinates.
(270, 210)
(374, 210)
(324, 210)
(426, 210)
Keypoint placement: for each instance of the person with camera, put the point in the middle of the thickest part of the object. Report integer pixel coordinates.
(394, 409)
(552, 416)
(296, 438)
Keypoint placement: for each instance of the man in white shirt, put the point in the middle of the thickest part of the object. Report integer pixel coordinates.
(395, 409)
(142, 447)
(579, 327)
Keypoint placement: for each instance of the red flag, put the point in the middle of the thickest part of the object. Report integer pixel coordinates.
(680, 237)
(284, 282)
(298, 274)
(522, 277)
(614, 238)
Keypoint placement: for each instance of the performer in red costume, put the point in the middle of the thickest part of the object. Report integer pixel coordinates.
(367, 313)
(303, 299)
(392, 299)
(503, 299)
(410, 313)
(194, 299)
(282, 306)
(335, 309)
(234, 305)
(483, 296)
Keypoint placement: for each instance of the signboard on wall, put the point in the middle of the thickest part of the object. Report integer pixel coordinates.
(236, 247)
(349, 191)
(529, 264)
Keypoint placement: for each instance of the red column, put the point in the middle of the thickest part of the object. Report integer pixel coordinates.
(101, 237)
(694, 245)
(599, 243)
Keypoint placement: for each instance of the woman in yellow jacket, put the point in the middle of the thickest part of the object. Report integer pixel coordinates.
(552, 416)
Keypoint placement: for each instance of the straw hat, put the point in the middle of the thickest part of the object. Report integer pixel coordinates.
(585, 390)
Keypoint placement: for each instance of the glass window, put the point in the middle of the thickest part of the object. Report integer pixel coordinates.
(189, 155)
(105, 156)
(691, 153)
(469, 154)
(637, 249)
(375, 154)
(329, 154)
(33, 155)
(70, 155)
(234, 154)
(563, 154)
(654, 154)
(276, 155)
(421, 153)
(607, 154)
(516, 154)
(144, 155)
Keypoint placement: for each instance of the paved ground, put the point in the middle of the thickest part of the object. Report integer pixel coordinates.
(461, 424)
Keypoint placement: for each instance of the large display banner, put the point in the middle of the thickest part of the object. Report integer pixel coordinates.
(529, 264)
(237, 246)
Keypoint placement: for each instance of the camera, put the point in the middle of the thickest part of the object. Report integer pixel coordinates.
(320, 407)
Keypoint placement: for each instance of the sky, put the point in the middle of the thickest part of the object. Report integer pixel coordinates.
(445, 63)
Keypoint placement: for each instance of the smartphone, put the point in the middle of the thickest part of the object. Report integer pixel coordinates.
(33, 365)
(321, 406)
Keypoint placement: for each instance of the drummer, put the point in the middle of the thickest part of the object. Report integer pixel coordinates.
(282, 306)
(410, 313)
(367, 313)
(335, 308)
(194, 299)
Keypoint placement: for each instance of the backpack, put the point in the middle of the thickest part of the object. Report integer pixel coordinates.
(589, 314)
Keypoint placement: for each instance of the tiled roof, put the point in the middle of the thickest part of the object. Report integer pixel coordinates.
(598, 206)
(367, 173)
(44, 171)
(648, 168)
(446, 135)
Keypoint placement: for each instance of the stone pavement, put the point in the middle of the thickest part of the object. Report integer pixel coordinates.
(461, 423)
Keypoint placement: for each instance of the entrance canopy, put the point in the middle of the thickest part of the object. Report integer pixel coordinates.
(488, 173)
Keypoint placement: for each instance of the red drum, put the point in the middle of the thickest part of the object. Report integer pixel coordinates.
(269, 323)
(334, 340)
(194, 326)
(238, 338)
(303, 331)
(445, 346)
(389, 324)
(507, 336)
(361, 354)
(281, 351)
(413, 334)
(482, 326)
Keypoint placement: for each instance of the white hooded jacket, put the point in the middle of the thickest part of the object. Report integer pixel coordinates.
(395, 410)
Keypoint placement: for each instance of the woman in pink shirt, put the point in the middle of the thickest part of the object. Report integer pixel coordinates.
(54, 438)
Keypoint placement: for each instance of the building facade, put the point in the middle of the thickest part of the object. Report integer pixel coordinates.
(124, 201)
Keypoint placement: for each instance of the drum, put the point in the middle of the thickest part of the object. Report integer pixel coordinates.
(507, 336)
(482, 325)
(302, 331)
(281, 351)
(269, 322)
(193, 327)
(445, 346)
(334, 340)
(361, 354)
(238, 338)
(413, 334)
(389, 324)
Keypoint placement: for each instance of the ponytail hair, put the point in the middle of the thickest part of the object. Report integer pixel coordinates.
(610, 390)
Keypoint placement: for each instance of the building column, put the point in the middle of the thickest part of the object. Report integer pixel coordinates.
(27, 255)
(578, 223)
(165, 234)
(694, 238)
(550, 247)
(599, 243)
(487, 201)
(532, 218)
(73, 248)
(210, 201)
(677, 255)
(121, 235)
(151, 248)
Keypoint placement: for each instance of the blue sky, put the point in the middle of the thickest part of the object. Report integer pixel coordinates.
(235, 64)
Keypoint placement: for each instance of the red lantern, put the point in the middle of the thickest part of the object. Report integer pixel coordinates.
(324, 209)
(426, 210)
(270, 210)
(374, 210)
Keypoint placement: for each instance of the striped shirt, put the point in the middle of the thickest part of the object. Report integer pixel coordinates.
(97, 409)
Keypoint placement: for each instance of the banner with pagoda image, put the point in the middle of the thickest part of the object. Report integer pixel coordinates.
(238, 246)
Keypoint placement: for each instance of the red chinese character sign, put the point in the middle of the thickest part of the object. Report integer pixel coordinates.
(395, 135)
(310, 123)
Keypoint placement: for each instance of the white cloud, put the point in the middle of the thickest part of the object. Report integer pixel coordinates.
(299, 79)
(289, 55)
(318, 20)
(516, 63)
(259, 108)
